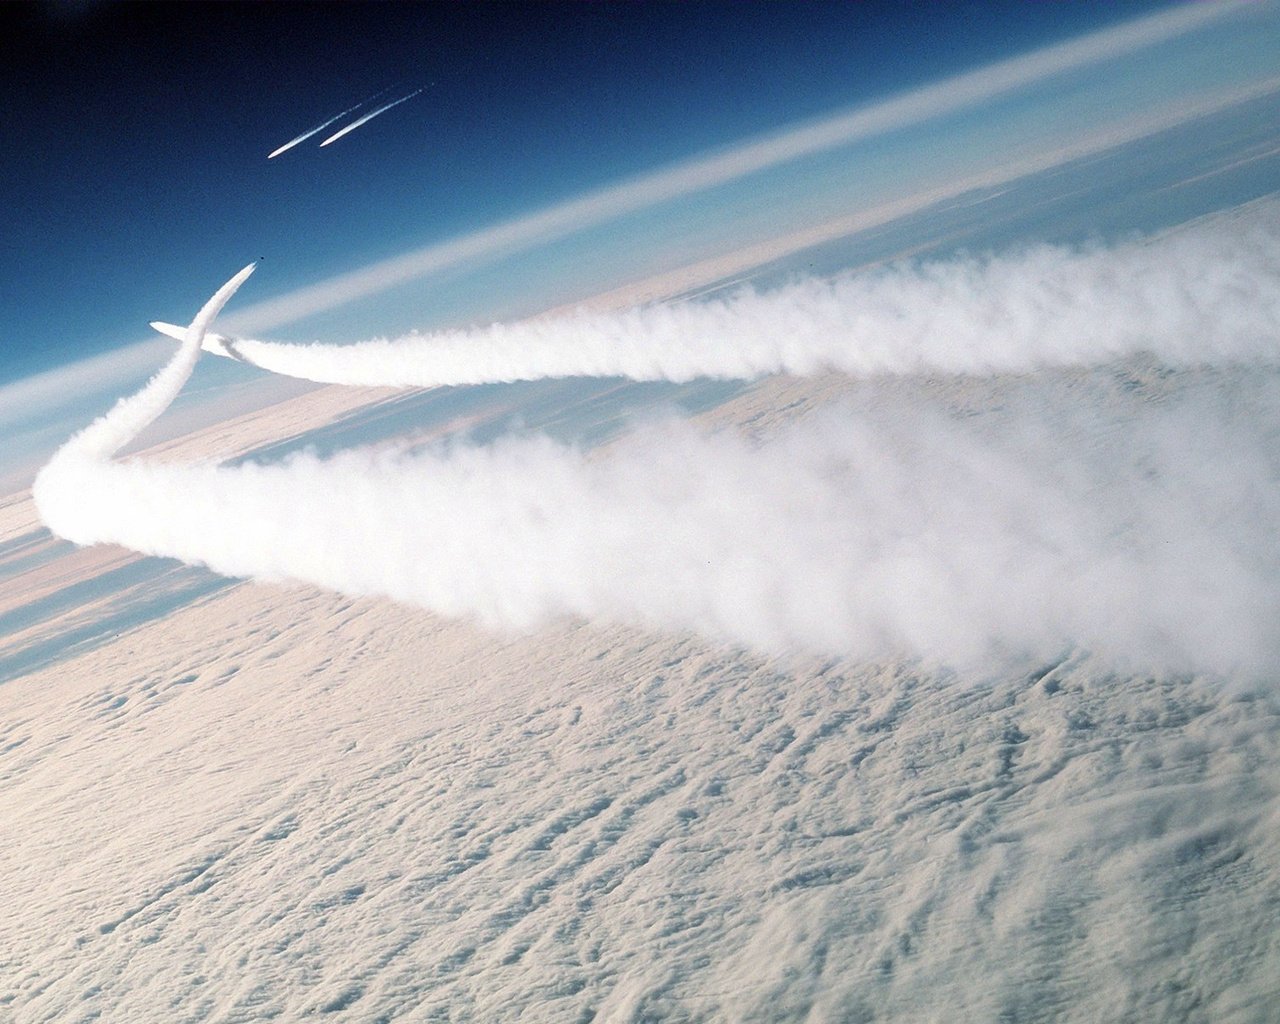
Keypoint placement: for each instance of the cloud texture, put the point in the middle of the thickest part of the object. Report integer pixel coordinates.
(1141, 527)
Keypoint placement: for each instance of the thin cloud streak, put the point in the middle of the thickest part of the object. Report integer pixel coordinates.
(60, 388)
(321, 127)
(368, 117)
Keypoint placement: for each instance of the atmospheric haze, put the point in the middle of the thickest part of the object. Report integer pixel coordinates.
(1143, 531)
(864, 122)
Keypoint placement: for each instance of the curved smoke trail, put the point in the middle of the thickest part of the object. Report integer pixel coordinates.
(1144, 530)
(56, 486)
(1148, 538)
(1207, 294)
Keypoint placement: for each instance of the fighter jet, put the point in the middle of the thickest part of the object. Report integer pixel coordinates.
(218, 344)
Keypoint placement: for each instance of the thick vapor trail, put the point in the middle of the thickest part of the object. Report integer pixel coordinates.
(1148, 537)
(1142, 524)
(368, 117)
(1210, 292)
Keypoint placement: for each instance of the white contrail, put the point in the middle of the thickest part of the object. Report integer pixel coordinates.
(130, 416)
(369, 117)
(1149, 537)
(1070, 511)
(1048, 306)
(59, 486)
(318, 128)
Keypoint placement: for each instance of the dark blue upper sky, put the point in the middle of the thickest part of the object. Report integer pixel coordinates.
(136, 135)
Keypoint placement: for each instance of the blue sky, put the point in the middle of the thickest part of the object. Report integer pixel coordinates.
(137, 134)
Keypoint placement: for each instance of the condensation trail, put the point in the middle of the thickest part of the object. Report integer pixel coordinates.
(369, 117)
(318, 128)
(130, 416)
(1209, 292)
(1143, 531)
(321, 127)
(1141, 528)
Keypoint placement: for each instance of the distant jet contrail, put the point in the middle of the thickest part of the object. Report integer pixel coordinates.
(321, 127)
(318, 128)
(368, 117)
